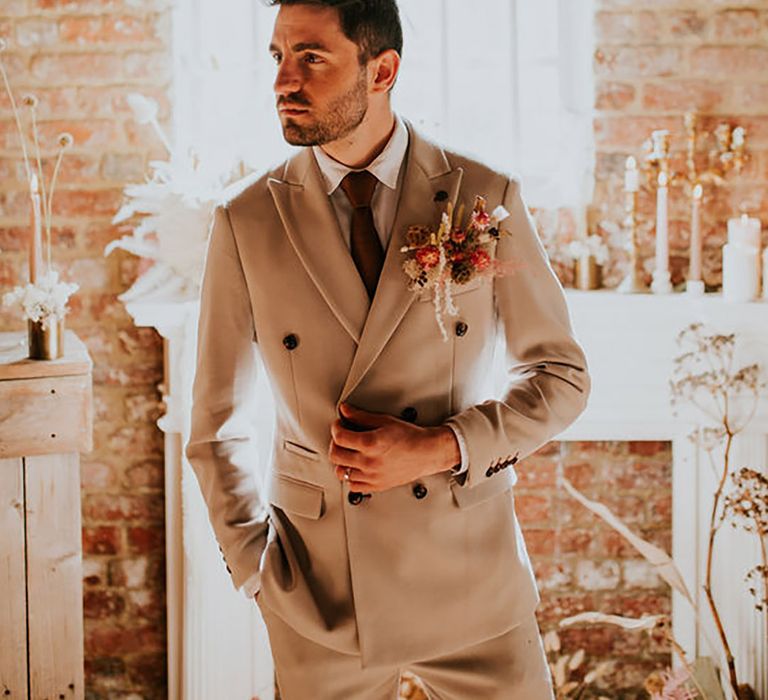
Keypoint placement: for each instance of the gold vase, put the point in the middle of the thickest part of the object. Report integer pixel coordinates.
(46, 339)
(587, 274)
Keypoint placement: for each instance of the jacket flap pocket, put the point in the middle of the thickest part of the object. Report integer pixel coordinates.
(296, 496)
(466, 497)
(298, 449)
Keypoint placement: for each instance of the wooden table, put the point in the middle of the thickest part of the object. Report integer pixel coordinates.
(46, 420)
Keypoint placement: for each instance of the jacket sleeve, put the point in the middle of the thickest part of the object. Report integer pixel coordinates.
(221, 448)
(546, 368)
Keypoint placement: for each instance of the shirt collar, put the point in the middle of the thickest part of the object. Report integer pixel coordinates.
(386, 166)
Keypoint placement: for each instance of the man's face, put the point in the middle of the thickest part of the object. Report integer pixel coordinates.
(321, 89)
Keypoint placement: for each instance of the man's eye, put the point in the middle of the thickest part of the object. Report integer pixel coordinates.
(276, 57)
(312, 58)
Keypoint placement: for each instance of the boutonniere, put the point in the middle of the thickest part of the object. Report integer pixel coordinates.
(453, 255)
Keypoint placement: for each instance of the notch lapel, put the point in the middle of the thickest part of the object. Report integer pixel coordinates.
(427, 172)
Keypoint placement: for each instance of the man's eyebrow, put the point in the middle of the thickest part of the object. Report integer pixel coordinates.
(305, 46)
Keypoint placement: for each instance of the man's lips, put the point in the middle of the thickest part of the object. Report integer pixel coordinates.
(290, 111)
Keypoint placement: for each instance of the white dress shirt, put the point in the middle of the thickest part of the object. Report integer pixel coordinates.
(387, 167)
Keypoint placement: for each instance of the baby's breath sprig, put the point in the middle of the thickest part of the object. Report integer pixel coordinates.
(747, 505)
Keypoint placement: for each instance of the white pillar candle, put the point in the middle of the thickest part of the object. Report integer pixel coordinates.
(631, 176)
(694, 270)
(744, 230)
(36, 236)
(741, 281)
(661, 278)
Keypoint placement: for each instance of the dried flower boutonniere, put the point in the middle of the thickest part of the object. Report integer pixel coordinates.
(453, 255)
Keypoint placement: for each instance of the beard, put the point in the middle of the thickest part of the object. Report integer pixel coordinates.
(343, 114)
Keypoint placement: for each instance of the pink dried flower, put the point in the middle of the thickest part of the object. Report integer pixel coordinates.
(668, 685)
(480, 259)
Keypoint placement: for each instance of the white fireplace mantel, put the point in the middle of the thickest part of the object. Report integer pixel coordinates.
(630, 343)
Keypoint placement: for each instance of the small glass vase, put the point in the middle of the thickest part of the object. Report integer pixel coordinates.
(46, 338)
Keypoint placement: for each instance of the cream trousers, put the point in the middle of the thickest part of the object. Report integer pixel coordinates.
(512, 666)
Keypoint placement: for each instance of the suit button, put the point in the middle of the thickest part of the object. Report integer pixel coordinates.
(419, 490)
(355, 497)
(514, 459)
(290, 341)
(409, 413)
(489, 471)
(461, 328)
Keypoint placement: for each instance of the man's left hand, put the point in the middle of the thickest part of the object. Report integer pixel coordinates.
(387, 451)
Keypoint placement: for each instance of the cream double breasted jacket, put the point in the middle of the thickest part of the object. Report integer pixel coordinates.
(421, 569)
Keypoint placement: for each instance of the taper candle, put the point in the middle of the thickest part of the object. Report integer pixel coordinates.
(36, 238)
(631, 176)
(661, 278)
(694, 270)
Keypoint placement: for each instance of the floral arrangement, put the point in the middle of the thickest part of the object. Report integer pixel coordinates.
(452, 255)
(43, 301)
(170, 216)
(591, 246)
(44, 298)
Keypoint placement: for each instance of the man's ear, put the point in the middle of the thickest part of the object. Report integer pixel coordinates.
(386, 67)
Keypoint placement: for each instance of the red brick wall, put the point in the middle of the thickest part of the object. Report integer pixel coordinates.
(81, 58)
(654, 61)
(582, 564)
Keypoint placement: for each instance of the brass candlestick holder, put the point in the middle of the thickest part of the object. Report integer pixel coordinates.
(633, 283)
(728, 155)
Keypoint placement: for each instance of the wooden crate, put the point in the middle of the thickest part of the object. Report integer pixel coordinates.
(46, 420)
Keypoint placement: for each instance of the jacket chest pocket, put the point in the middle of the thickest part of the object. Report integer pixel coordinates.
(456, 289)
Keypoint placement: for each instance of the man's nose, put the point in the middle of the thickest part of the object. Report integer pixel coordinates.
(287, 80)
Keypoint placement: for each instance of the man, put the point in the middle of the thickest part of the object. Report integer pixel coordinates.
(388, 538)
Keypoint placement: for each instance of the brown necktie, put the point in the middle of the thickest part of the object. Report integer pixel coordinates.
(365, 244)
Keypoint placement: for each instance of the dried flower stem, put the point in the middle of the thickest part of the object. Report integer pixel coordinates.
(16, 117)
(713, 527)
(50, 197)
(41, 178)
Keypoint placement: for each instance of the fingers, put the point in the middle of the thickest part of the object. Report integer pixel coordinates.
(357, 480)
(344, 457)
(368, 419)
(352, 439)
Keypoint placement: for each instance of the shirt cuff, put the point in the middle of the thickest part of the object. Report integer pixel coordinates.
(463, 466)
(251, 585)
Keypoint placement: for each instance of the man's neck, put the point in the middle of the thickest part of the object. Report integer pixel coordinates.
(361, 147)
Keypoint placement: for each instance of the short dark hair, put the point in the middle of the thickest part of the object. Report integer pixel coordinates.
(374, 25)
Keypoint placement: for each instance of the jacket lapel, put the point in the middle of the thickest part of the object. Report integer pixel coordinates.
(312, 227)
(427, 172)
